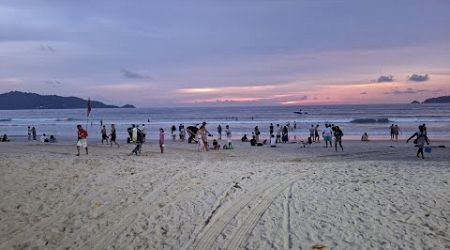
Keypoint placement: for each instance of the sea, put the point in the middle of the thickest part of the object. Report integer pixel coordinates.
(354, 120)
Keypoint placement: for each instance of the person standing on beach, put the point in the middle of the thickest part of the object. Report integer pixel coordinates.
(201, 136)
(144, 132)
(228, 133)
(338, 138)
(104, 135)
(392, 131)
(396, 131)
(181, 132)
(420, 141)
(29, 133)
(33, 132)
(82, 139)
(138, 140)
(316, 134)
(161, 140)
(271, 130)
(173, 132)
(311, 133)
(285, 134)
(219, 131)
(327, 133)
(113, 136)
(257, 133)
(278, 133)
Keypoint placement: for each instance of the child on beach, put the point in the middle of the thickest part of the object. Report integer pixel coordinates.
(161, 140)
(273, 141)
(82, 139)
(420, 140)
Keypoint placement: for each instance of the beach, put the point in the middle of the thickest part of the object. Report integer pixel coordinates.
(373, 195)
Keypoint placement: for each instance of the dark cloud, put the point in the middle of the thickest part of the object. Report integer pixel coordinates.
(387, 78)
(363, 93)
(47, 48)
(418, 78)
(407, 91)
(53, 82)
(133, 75)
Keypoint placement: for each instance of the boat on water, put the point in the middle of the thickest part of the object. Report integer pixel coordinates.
(301, 112)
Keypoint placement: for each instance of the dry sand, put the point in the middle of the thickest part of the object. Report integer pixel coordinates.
(374, 195)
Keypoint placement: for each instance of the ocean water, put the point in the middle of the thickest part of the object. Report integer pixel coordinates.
(242, 120)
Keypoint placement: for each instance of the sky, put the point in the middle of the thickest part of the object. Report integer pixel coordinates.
(234, 52)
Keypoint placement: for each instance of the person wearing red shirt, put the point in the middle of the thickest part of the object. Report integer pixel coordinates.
(82, 139)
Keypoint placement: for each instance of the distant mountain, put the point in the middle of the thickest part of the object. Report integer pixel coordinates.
(440, 99)
(21, 100)
(415, 102)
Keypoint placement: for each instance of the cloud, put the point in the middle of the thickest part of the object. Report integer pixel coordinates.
(418, 78)
(133, 75)
(363, 93)
(47, 48)
(53, 82)
(406, 92)
(387, 78)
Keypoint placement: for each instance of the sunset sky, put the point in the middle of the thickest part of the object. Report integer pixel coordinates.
(255, 52)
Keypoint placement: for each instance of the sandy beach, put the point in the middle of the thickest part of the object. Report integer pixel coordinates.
(374, 195)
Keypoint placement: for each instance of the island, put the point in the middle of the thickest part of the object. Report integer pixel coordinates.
(415, 102)
(15, 100)
(440, 99)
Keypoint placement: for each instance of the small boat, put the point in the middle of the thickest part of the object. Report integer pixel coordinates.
(300, 112)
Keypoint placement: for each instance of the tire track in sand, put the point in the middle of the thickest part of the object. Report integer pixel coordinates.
(102, 239)
(46, 223)
(264, 194)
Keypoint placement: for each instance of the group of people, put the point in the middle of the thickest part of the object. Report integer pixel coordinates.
(202, 138)
(330, 131)
(395, 131)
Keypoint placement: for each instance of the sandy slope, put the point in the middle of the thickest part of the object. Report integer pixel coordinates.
(370, 196)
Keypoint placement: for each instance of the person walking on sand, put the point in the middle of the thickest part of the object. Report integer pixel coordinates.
(82, 139)
(420, 141)
(113, 136)
(33, 132)
(138, 140)
(161, 140)
(338, 138)
(271, 130)
(219, 131)
(104, 135)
